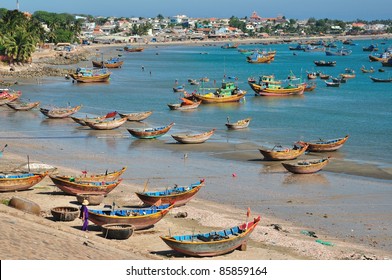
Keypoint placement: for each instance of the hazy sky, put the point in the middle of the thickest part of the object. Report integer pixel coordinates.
(297, 9)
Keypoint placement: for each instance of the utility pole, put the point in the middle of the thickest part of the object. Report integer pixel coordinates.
(17, 5)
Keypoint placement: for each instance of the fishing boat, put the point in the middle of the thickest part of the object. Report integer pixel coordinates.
(94, 177)
(137, 116)
(87, 75)
(73, 188)
(348, 74)
(340, 80)
(8, 96)
(151, 132)
(341, 52)
(213, 243)
(23, 106)
(133, 49)
(280, 90)
(325, 63)
(193, 82)
(306, 166)
(110, 63)
(258, 57)
(378, 80)
(106, 124)
(370, 48)
(317, 48)
(82, 121)
(323, 76)
(298, 47)
(380, 57)
(364, 70)
(238, 124)
(178, 195)
(387, 62)
(179, 88)
(230, 46)
(11, 182)
(191, 138)
(140, 218)
(310, 87)
(228, 92)
(60, 113)
(325, 145)
(332, 84)
(281, 153)
(311, 75)
(186, 104)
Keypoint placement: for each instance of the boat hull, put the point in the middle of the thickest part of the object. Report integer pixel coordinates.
(193, 138)
(327, 146)
(26, 181)
(150, 133)
(219, 99)
(286, 154)
(74, 188)
(306, 167)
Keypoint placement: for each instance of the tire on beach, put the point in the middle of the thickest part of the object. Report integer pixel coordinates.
(25, 205)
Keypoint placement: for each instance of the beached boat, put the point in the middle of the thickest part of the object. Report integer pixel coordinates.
(378, 80)
(325, 145)
(188, 138)
(325, 63)
(23, 106)
(332, 84)
(140, 218)
(72, 187)
(281, 153)
(306, 166)
(106, 124)
(94, 177)
(137, 116)
(110, 63)
(238, 124)
(133, 49)
(178, 195)
(186, 104)
(82, 121)
(228, 92)
(8, 96)
(87, 75)
(11, 182)
(60, 113)
(151, 132)
(212, 243)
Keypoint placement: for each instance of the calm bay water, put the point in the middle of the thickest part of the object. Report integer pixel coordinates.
(360, 108)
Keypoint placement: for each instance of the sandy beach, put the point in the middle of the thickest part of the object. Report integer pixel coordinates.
(29, 237)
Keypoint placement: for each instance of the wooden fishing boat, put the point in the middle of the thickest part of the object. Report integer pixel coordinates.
(364, 70)
(11, 182)
(82, 121)
(186, 104)
(325, 145)
(387, 62)
(117, 231)
(281, 153)
(310, 87)
(228, 92)
(341, 52)
(151, 132)
(212, 243)
(273, 90)
(133, 49)
(110, 63)
(340, 80)
(86, 75)
(65, 213)
(193, 82)
(106, 124)
(193, 138)
(311, 76)
(178, 195)
(324, 76)
(60, 113)
(348, 74)
(94, 177)
(73, 188)
(136, 117)
(179, 89)
(140, 218)
(23, 106)
(306, 166)
(370, 48)
(257, 57)
(8, 96)
(332, 84)
(325, 63)
(378, 80)
(238, 124)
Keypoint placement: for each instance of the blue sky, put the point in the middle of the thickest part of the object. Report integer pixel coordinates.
(296, 9)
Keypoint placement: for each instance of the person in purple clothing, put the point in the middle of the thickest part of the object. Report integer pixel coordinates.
(84, 214)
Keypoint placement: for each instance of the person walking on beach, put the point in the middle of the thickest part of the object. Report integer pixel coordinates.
(84, 214)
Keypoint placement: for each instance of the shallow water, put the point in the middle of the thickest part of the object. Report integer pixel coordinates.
(340, 204)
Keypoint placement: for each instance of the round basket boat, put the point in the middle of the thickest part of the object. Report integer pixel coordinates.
(117, 231)
(92, 198)
(65, 213)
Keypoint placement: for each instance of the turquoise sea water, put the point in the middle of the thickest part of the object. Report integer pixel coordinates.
(360, 108)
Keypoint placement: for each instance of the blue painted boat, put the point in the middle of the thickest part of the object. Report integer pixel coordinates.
(213, 243)
(341, 52)
(140, 218)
